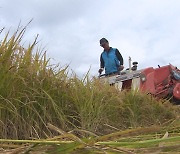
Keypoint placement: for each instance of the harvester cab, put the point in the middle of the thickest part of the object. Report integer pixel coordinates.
(161, 82)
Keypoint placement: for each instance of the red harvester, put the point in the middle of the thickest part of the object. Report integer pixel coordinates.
(161, 82)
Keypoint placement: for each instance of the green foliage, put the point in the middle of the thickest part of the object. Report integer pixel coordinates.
(140, 109)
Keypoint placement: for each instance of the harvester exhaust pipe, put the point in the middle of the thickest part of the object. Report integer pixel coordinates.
(134, 67)
(130, 64)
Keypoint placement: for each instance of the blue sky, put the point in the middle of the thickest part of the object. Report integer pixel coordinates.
(146, 30)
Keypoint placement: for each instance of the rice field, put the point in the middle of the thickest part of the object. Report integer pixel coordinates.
(45, 108)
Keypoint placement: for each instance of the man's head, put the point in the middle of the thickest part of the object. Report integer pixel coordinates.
(104, 43)
(103, 40)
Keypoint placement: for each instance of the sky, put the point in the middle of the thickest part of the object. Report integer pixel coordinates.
(146, 30)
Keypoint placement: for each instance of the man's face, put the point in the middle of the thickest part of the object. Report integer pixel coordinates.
(105, 45)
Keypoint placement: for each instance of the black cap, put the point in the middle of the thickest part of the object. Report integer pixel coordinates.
(103, 40)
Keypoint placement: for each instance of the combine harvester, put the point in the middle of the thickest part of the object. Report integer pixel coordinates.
(161, 82)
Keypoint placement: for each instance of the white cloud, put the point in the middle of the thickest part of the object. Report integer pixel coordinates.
(146, 30)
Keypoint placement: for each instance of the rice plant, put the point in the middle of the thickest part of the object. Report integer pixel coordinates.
(34, 96)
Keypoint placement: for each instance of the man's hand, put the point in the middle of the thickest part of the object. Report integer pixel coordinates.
(121, 67)
(100, 70)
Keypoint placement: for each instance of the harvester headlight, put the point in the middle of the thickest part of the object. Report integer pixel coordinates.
(143, 78)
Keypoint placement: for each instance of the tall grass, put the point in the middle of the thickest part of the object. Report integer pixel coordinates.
(27, 88)
(34, 93)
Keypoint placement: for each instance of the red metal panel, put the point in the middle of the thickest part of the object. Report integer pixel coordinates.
(161, 74)
(148, 85)
(176, 91)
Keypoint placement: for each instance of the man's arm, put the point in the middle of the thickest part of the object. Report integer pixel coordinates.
(101, 62)
(119, 56)
(101, 65)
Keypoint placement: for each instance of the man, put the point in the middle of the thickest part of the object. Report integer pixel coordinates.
(110, 59)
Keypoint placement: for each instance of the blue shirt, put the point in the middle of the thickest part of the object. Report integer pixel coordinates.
(111, 60)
